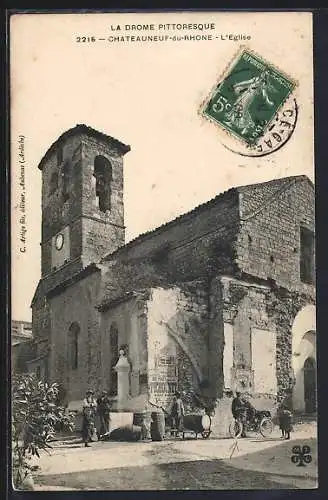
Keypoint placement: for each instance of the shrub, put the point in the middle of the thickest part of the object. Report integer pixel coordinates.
(35, 415)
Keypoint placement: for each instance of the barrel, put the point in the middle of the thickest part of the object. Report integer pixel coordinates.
(197, 423)
(143, 420)
(157, 426)
(126, 433)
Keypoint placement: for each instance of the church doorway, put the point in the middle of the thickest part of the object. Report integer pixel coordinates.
(304, 360)
(310, 386)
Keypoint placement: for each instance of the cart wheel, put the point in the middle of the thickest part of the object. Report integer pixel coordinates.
(235, 428)
(266, 427)
(206, 434)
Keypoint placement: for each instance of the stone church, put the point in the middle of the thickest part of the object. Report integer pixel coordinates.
(219, 299)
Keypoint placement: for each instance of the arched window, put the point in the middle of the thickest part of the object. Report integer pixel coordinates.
(73, 337)
(103, 175)
(114, 354)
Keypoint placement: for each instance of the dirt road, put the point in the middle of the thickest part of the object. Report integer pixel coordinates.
(188, 465)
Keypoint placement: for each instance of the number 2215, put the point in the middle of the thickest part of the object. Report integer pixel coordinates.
(84, 39)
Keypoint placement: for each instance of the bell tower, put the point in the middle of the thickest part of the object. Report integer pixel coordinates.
(82, 201)
(82, 219)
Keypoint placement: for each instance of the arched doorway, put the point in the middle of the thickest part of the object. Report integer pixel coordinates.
(310, 385)
(304, 348)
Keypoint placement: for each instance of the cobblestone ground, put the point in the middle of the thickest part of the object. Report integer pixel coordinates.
(180, 465)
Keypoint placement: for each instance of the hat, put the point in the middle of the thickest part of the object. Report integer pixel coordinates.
(104, 392)
(89, 391)
(177, 394)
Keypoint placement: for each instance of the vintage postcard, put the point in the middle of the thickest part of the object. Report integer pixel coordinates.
(163, 251)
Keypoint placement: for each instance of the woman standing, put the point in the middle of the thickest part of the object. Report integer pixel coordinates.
(88, 413)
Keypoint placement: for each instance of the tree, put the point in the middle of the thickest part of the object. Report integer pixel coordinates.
(35, 415)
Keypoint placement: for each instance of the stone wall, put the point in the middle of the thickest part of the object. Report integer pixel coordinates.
(72, 202)
(40, 303)
(269, 312)
(177, 341)
(184, 250)
(193, 245)
(21, 354)
(216, 338)
(76, 304)
(90, 206)
(41, 317)
(269, 240)
(129, 319)
(97, 236)
(283, 306)
(238, 307)
(58, 210)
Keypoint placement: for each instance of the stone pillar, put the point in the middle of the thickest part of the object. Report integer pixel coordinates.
(123, 386)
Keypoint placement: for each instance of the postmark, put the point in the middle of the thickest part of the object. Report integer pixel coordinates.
(254, 104)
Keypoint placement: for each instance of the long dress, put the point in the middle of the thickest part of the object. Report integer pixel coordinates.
(88, 423)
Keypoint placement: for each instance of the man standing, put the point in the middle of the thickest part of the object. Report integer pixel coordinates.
(104, 407)
(177, 413)
(239, 411)
(285, 421)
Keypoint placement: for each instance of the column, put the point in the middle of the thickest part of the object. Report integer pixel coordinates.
(123, 369)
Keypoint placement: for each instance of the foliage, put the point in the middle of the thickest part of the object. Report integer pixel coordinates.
(198, 402)
(35, 414)
(284, 305)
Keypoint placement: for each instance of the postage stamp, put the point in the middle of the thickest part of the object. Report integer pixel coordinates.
(277, 134)
(248, 98)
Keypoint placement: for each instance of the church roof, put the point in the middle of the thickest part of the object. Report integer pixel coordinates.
(46, 284)
(89, 131)
(267, 190)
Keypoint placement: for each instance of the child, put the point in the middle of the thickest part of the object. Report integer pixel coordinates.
(285, 421)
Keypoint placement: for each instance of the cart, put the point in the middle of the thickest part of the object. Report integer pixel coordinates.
(199, 424)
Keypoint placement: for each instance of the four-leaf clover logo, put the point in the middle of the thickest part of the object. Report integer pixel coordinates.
(301, 455)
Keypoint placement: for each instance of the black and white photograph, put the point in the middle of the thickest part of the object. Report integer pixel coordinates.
(163, 320)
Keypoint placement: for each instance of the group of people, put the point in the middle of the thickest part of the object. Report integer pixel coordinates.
(243, 411)
(91, 407)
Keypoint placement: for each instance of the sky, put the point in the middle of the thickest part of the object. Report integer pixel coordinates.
(147, 95)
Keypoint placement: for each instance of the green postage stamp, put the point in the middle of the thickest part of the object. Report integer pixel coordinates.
(247, 99)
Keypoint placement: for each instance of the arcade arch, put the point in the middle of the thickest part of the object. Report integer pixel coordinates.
(304, 359)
